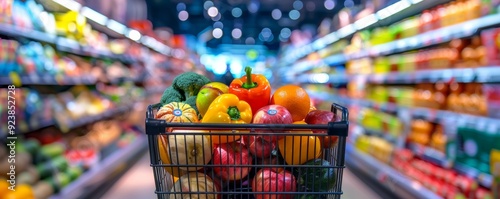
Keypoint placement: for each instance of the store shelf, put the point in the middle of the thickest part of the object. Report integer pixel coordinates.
(377, 133)
(386, 16)
(431, 155)
(438, 36)
(386, 175)
(50, 80)
(94, 118)
(61, 43)
(432, 115)
(483, 179)
(106, 169)
(487, 74)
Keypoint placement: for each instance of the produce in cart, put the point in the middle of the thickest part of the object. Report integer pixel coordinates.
(269, 180)
(228, 108)
(190, 185)
(232, 154)
(252, 88)
(298, 149)
(192, 150)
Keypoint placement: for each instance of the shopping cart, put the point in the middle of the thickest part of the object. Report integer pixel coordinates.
(321, 180)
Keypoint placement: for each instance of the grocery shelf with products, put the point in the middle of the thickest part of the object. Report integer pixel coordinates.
(80, 95)
(423, 96)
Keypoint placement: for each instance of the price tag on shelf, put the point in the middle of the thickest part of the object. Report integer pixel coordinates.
(381, 177)
(15, 79)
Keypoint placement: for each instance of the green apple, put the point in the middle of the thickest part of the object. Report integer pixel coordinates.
(218, 85)
(205, 97)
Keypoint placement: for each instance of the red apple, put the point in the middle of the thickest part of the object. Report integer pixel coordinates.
(268, 180)
(234, 154)
(322, 117)
(258, 146)
(272, 114)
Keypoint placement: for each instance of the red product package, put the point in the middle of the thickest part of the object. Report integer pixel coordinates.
(492, 95)
(491, 41)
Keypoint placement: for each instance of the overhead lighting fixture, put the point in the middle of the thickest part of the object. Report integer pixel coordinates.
(116, 26)
(285, 33)
(217, 33)
(218, 24)
(393, 9)
(69, 4)
(366, 21)
(217, 18)
(298, 5)
(276, 14)
(134, 35)
(94, 16)
(208, 4)
(236, 12)
(294, 14)
(183, 15)
(329, 4)
(253, 7)
(236, 33)
(213, 11)
(181, 6)
(249, 41)
(348, 3)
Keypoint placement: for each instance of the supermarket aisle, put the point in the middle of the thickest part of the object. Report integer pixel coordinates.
(138, 182)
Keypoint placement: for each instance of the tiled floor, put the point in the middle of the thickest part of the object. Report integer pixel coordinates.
(138, 183)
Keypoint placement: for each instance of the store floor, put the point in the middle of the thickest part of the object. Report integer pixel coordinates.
(138, 182)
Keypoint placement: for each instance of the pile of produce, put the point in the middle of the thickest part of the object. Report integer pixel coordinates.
(213, 161)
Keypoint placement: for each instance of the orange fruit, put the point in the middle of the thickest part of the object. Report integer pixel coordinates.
(295, 99)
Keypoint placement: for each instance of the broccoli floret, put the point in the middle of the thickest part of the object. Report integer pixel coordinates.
(169, 95)
(188, 84)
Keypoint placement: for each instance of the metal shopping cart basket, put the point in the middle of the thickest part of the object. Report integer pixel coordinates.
(186, 163)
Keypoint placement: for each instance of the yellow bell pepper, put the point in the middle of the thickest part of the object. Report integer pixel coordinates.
(227, 108)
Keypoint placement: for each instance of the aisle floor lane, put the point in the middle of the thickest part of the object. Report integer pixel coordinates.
(138, 183)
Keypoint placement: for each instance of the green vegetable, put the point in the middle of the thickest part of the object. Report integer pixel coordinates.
(185, 88)
(316, 179)
(189, 83)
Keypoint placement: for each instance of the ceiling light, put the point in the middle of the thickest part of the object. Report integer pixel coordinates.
(134, 35)
(253, 7)
(217, 33)
(297, 5)
(208, 4)
(294, 14)
(94, 16)
(181, 6)
(218, 24)
(216, 18)
(348, 3)
(276, 14)
(213, 11)
(236, 12)
(285, 33)
(236, 33)
(183, 15)
(250, 41)
(329, 4)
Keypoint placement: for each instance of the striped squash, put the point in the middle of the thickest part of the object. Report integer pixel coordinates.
(177, 112)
